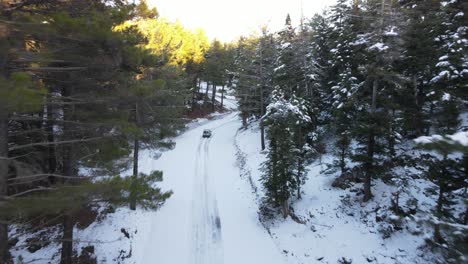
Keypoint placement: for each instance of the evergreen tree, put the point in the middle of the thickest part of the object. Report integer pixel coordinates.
(263, 68)
(418, 37)
(246, 78)
(288, 72)
(67, 72)
(282, 176)
(448, 173)
(343, 79)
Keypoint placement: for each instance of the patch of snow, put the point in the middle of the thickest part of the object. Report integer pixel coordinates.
(460, 137)
(445, 57)
(279, 68)
(443, 64)
(446, 97)
(428, 139)
(441, 75)
(378, 46)
(285, 45)
(391, 32)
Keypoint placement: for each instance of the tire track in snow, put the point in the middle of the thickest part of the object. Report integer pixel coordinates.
(206, 242)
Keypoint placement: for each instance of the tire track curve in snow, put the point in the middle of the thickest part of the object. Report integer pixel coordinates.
(206, 226)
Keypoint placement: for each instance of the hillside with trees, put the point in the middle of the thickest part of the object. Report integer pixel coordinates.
(85, 85)
(366, 102)
(360, 82)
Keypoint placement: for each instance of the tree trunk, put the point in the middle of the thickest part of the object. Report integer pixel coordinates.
(298, 178)
(369, 167)
(300, 163)
(67, 240)
(262, 113)
(222, 97)
(136, 151)
(465, 166)
(4, 249)
(199, 85)
(437, 235)
(206, 90)
(68, 169)
(375, 86)
(369, 164)
(262, 135)
(51, 156)
(465, 219)
(244, 119)
(285, 208)
(213, 98)
(391, 138)
(396, 203)
(343, 160)
(440, 202)
(194, 93)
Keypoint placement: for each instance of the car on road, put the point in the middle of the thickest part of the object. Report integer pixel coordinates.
(206, 133)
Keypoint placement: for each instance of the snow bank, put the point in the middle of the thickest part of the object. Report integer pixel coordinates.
(459, 138)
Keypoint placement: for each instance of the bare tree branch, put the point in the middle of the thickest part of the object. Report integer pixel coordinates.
(54, 143)
(39, 189)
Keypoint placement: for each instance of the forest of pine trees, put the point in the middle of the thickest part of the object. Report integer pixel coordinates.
(366, 78)
(86, 85)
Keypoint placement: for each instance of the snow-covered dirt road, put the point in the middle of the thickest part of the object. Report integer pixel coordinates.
(206, 238)
(212, 215)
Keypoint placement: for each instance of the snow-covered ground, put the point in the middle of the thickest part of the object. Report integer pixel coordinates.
(335, 230)
(212, 216)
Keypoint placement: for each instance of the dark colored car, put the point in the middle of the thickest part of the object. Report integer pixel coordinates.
(206, 133)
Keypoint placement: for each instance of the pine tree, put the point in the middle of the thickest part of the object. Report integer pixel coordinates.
(18, 93)
(263, 68)
(319, 70)
(342, 78)
(68, 100)
(288, 72)
(418, 35)
(448, 173)
(246, 81)
(282, 175)
(452, 67)
(376, 94)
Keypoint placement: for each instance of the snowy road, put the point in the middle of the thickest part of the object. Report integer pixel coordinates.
(206, 238)
(212, 216)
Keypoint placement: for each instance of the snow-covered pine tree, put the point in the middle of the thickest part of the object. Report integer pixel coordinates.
(246, 79)
(451, 76)
(264, 64)
(282, 175)
(447, 170)
(418, 29)
(319, 68)
(288, 67)
(375, 129)
(344, 78)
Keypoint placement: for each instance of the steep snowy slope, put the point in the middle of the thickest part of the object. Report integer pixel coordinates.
(338, 227)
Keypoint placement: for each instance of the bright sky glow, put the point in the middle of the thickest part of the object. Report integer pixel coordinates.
(228, 19)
